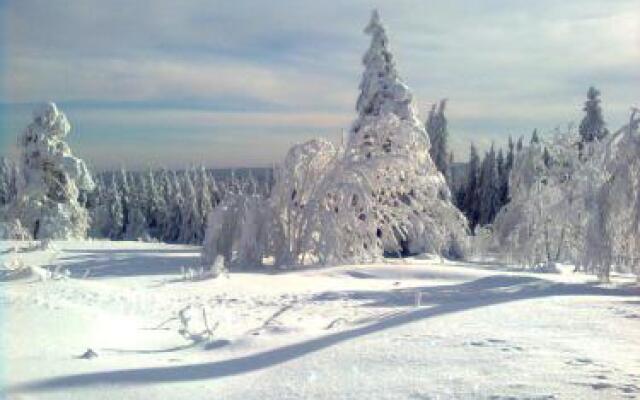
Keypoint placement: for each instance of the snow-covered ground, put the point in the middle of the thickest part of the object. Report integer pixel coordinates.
(406, 329)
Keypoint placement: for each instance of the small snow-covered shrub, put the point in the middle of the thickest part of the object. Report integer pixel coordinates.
(14, 230)
(236, 232)
(545, 268)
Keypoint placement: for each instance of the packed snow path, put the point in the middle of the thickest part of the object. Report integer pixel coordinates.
(408, 329)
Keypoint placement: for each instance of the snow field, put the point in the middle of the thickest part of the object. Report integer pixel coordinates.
(340, 332)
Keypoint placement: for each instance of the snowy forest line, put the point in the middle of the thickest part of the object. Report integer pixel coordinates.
(571, 196)
(163, 205)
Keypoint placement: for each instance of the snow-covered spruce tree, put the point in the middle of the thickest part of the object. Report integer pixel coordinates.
(489, 189)
(471, 190)
(190, 230)
(205, 201)
(592, 126)
(415, 198)
(124, 187)
(100, 218)
(50, 179)
(116, 224)
(8, 189)
(519, 145)
(156, 206)
(137, 224)
(612, 238)
(504, 176)
(436, 127)
(175, 204)
(167, 193)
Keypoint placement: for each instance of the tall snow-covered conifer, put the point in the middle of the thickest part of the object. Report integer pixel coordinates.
(51, 178)
(387, 127)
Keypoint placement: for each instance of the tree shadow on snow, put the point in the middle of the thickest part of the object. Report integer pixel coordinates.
(126, 264)
(443, 300)
(196, 250)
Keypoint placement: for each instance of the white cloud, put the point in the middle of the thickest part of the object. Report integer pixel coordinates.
(506, 66)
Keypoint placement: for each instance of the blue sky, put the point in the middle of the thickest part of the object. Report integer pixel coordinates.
(236, 83)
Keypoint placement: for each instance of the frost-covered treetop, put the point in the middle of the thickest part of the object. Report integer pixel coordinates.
(44, 147)
(43, 137)
(387, 122)
(52, 122)
(381, 88)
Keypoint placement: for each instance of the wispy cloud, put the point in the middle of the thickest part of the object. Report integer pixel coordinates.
(273, 73)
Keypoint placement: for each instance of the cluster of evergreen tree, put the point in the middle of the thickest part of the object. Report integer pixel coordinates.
(484, 186)
(8, 181)
(170, 206)
(484, 189)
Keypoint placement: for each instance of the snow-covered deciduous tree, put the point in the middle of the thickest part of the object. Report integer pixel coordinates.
(613, 232)
(297, 183)
(237, 232)
(551, 188)
(50, 179)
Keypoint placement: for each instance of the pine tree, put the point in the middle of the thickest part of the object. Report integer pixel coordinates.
(138, 211)
(546, 157)
(205, 203)
(386, 126)
(125, 192)
(519, 146)
(171, 196)
(471, 193)
(500, 167)
(190, 216)
(156, 206)
(115, 225)
(534, 137)
(506, 172)
(436, 127)
(592, 126)
(489, 189)
(510, 155)
(5, 177)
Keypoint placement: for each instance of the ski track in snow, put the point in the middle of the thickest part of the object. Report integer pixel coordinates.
(480, 330)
